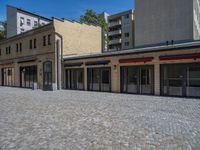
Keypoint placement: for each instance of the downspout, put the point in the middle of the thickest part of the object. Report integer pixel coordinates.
(58, 48)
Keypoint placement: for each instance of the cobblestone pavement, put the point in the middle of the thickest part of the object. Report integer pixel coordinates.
(77, 120)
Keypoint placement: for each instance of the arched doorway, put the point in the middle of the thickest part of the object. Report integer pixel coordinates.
(47, 75)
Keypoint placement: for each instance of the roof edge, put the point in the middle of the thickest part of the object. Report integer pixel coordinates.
(195, 44)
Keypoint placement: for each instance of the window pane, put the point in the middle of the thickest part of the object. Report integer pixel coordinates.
(105, 76)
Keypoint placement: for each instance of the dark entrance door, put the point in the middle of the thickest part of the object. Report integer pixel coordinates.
(28, 76)
(137, 79)
(99, 79)
(2, 77)
(75, 79)
(47, 75)
(180, 80)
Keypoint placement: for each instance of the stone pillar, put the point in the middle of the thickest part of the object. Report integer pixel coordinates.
(0, 75)
(63, 78)
(157, 79)
(115, 76)
(16, 74)
(85, 78)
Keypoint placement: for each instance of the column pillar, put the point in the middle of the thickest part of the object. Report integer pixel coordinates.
(16, 74)
(85, 78)
(157, 79)
(0, 75)
(115, 76)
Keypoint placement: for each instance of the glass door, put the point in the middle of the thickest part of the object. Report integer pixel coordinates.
(132, 80)
(99, 79)
(28, 76)
(137, 79)
(146, 80)
(105, 80)
(173, 80)
(96, 79)
(193, 81)
(75, 79)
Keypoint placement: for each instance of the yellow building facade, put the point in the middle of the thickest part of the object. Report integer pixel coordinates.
(166, 70)
(33, 59)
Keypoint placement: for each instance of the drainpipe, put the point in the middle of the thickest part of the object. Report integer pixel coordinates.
(59, 65)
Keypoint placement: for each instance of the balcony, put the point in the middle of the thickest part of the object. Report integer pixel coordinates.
(117, 32)
(115, 23)
(115, 41)
(114, 49)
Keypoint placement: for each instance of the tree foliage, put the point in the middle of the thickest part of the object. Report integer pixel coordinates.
(91, 17)
(3, 33)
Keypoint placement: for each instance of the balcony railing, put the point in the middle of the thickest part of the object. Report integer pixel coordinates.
(114, 49)
(115, 23)
(115, 41)
(117, 32)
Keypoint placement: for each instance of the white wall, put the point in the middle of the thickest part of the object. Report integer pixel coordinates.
(14, 26)
(25, 26)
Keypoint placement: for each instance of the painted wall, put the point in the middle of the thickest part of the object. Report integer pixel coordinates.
(158, 21)
(79, 38)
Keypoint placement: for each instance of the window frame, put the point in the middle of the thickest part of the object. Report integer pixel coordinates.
(22, 21)
(127, 34)
(44, 40)
(17, 47)
(20, 46)
(126, 43)
(28, 22)
(34, 43)
(30, 44)
(49, 39)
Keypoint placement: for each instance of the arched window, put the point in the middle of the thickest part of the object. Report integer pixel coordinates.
(47, 75)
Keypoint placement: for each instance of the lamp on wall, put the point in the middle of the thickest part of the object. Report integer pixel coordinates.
(115, 67)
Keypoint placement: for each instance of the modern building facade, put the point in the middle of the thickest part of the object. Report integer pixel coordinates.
(34, 58)
(166, 70)
(20, 21)
(161, 22)
(121, 31)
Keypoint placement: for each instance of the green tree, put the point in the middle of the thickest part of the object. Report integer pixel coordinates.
(3, 33)
(91, 17)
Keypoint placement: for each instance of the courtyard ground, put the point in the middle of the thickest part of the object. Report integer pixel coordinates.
(78, 120)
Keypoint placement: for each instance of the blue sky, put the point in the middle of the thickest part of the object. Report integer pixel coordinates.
(71, 9)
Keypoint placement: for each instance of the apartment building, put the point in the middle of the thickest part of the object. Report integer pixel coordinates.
(34, 58)
(121, 31)
(161, 22)
(20, 21)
